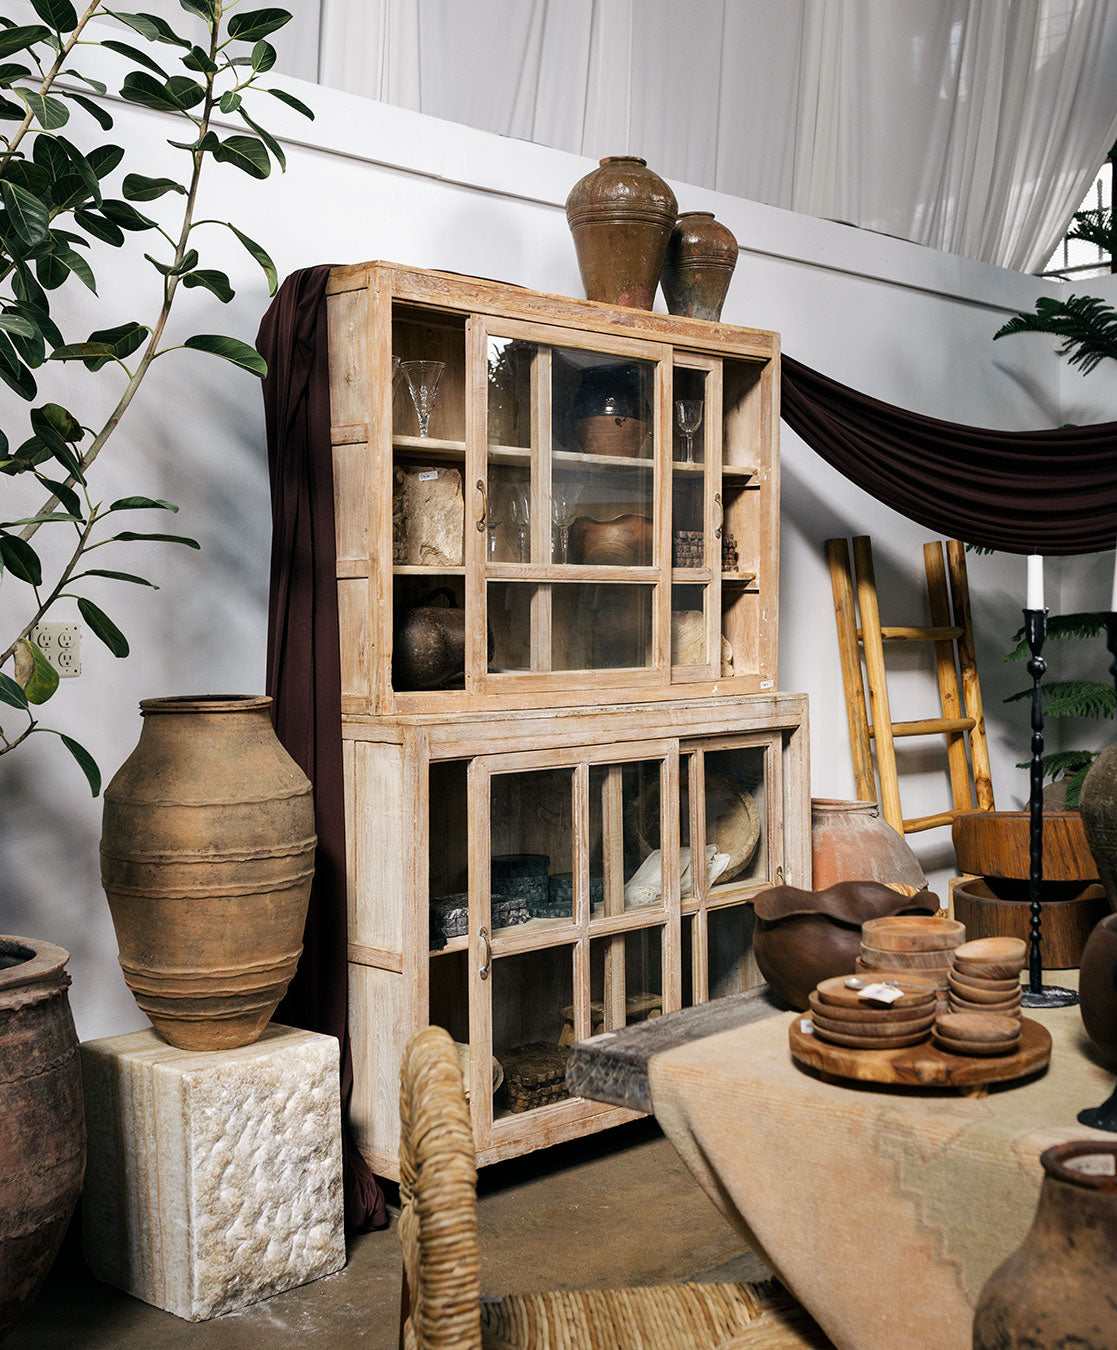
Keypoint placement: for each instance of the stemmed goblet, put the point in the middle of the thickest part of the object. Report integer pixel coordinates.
(688, 416)
(564, 503)
(423, 379)
(519, 503)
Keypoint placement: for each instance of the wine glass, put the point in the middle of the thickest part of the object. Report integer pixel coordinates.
(519, 503)
(688, 415)
(422, 379)
(564, 503)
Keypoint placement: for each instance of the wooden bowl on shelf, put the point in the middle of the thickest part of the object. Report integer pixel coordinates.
(617, 437)
(913, 933)
(624, 541)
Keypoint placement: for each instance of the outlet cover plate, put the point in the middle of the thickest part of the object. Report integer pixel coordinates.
(60, 643)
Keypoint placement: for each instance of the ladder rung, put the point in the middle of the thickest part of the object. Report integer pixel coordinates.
(917, 634)
(931, 726)
(928, 822)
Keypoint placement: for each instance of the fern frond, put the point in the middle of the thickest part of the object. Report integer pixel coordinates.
(1079, 698)
(1086, 624)
(1068, 761)
(1096, 227)
(1073, 797)
(1087, 325)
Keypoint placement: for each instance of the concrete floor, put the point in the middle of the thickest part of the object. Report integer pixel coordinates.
(617, 1208)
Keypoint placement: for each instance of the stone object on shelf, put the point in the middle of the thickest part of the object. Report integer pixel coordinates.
(428, 516)
(449, 916)
(214, 1178)
(523, 875)
(534, 1075)
(730, 558)
(688, 548)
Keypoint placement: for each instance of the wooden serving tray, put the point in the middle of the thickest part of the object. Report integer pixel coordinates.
(922, 1065)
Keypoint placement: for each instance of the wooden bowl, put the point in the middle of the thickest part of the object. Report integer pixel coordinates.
(1003, 987)
(624, 541)
(834, 993)
(969, 994)
(872, 1012)
(606, 434)
(873, 1031)
(869, 1043)
(908, 979)
(977, 1027)
(875, 956)
(998, 950)
(963, 1005)
(913, 933)
(975, 1047)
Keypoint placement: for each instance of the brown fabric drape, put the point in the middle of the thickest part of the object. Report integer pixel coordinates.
(304, 668)
(1052, 492)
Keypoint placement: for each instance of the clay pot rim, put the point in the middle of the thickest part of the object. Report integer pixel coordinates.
(1054, 1161)
(684, 214)
(623, 159)
(840, 804)
(205, 703)
(41, 961)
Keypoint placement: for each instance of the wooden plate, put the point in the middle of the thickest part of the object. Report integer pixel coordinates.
(908, 979)
(877, 1042)
(872, 1031)
(973, 994)
(978, 1049)
(977, 1027)
(875, 1014)
(921, 1065)
(833, 991)
(913, 933)
(999, 949)
(876, 956)
(1003, 987)
(960, 1005)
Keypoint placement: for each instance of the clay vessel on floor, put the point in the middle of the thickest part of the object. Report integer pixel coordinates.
(803, 937)
(851, 841)
(42, 1123)
(701, 256)
(1098, 806)
(207, 855)
(1097, 986)
(621, 215)
(1056, 1291)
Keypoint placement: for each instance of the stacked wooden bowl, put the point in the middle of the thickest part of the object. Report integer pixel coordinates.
(986, 977)
(911, 947)
(977, 1033)
(842, 1015)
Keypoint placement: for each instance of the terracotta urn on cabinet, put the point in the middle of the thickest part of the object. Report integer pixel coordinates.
(42, 1120)
(701, 256)
(1057, 1291)
(207, 855)
(621, 215)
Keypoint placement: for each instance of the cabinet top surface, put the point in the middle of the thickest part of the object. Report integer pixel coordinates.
(452, 290)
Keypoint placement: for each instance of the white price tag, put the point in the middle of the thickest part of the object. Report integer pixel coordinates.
(767, 684)
(426, 475)
(805, 1026)
(880, 993)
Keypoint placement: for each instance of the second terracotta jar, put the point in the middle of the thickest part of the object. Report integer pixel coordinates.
(851, 841)
(701, 256)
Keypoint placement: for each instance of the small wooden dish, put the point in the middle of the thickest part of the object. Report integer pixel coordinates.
(961, 1005)
(853, 1042)
(991, 970)
(871, 1032)
(980, 1049)
(875, 1014)
(972, 994)
(876, 956)
(913, 933)
(834, 991)
(1004, 987)
(985, 1027)
(999, 949)
(933, 980)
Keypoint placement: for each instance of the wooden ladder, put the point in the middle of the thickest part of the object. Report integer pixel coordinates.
(952, 636)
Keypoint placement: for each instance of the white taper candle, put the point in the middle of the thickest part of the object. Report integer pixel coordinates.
(1035, 582)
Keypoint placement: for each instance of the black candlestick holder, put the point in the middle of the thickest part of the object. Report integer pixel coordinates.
(1035, 994)
(1104, 1117)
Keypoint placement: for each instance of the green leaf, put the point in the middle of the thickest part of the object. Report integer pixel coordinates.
(116, 576)
(138, 188)
(258, 23)
(50, 113)
(199, 59)
(229, 349)
(268, 139)
(28, 215)
(126, 216)
(11, 112)
(122, 340)
(130, 536)
(21, 559)
(54, 267)
(291, 101)
(11, 693)
(16, 323)
(212, 280)
(102, 159)
(188, 262)
(246, 153)
(10, 71)
(17, 377)
(70, 191)
(19, 39)
(65, 494)
(142, 504)
(230, 101)
(1087, 325)
(103, 627)
(98, 86)
(86, 762)
(185, 92)
(95, 110)
(45, 518)
(135, 54)
(261, 257)
(151, 27)
(148, 92)
(100, 228)
(263, 57)
(81, 351)
(48, 154)
(59, 14)
(43, 680)
(203, 8)
(39, 318)
(60, 421)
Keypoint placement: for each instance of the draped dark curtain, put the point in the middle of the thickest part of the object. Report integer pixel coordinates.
(304, 668)
(1052, 492)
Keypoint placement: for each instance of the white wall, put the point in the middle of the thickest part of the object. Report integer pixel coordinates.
(365, 181)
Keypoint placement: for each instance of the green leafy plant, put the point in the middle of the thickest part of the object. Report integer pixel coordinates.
(56, 211)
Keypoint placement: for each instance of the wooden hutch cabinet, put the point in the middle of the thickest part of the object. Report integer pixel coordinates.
(564, 833)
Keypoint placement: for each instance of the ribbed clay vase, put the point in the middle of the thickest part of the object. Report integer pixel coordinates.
(1097, 988)
(42, 1122)
(207, 855)
(701, 256)
(621, 215)
(1056, 1292)
(851, 841)
(1098, 807)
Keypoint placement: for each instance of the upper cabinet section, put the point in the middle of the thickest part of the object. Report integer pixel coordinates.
(547, 500)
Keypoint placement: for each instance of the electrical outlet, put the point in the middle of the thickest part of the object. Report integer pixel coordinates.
(60, 643)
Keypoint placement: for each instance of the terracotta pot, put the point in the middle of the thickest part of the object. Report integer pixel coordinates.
(701, 256)
(1097, 986)
(803, 937)
(997, 845)
(851, 841)
(1056, 1291)
(1098, 808)
(621, 215)
(42, 1122)
(624, 541)
(207, 855)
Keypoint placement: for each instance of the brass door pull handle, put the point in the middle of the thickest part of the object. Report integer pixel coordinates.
(721, 515)
(482, 520)
(483, 934)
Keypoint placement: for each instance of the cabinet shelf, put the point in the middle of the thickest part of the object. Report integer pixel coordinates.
(738, 579)
(426, 570)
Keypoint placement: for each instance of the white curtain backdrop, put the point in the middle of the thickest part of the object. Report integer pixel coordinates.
(973, 126)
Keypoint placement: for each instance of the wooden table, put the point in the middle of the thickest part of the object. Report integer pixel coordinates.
(884, 1211)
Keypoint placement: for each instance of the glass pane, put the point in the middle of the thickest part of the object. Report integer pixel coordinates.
(428, 641)
(533, 1001)
(688, 402)
(436, 388)
(603, 626)
(732, 966)
(689, 626)
(625, 837)
(736, 811)
(531, 819)
(447, 855)
(508, 513)
(511, 454)
(626, 979)
(687, 766)
(510, 620)
(509, 384)
(689, 926)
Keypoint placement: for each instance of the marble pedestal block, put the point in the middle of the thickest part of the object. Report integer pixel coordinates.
(214, 1179)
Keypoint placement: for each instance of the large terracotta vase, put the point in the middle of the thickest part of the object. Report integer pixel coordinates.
(42, 1123)
(621, 215)
(851, 841)
(1097, 986)
(207, 856)
(701, 256)
(1098, 805)
(1056, 1291)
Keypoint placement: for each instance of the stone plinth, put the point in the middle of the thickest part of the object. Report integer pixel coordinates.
(214, 1179)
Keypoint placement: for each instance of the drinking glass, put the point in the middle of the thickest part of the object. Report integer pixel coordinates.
(688, 415)
(564, 503)
(422, 379)
(519, 503)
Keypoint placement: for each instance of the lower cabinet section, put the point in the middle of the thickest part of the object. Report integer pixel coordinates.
(530, 879)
